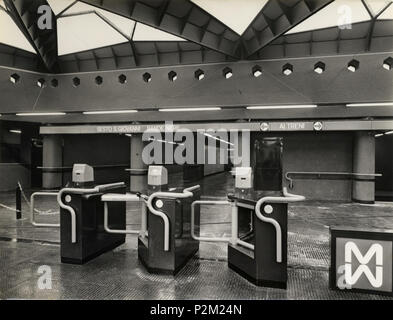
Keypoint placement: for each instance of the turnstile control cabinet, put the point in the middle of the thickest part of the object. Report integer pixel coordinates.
(181, 245)
(260, 266)
(91, 237)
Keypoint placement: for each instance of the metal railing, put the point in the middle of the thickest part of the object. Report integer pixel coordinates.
(187, 193)
(329, 175)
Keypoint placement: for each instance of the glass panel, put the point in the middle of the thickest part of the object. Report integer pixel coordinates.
(147, 33)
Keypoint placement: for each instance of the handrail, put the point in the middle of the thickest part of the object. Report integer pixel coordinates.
(187, 193)
(316, 173)
(288, 197)
(109, 230)
(32, 199)
(96, 189)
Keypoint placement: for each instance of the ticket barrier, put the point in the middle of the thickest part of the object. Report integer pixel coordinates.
(82, 232)
(259, 255)
(165, 244)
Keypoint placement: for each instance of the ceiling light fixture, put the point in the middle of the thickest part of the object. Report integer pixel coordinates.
(287, 69)
(353, 65)
(14, 78)
(54, 83)
(227, 73)
(389, 132)
(378, 104)
(16, 131)
(76, 82)
(256, 71)
(147, 77)
(199, 75)
(300, 106)
(319, 67)
(172, 76)
(189, 109)
(41, 83)
(32, 114)
(99, 80)
(123, 79)
(388, 63)
(109, 112)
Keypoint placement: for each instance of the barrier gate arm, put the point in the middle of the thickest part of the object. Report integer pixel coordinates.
(71, 210)
(288, 197)
(119, 198)
(187, 193)
(210, 202)
(32, 199)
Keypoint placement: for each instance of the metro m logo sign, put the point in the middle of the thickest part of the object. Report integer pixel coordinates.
(351, 249)
(361, 261)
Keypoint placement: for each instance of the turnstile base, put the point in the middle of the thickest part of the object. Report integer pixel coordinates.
(92, 256)
(242, 261)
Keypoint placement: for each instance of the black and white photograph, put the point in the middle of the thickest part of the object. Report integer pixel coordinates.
(196, 155)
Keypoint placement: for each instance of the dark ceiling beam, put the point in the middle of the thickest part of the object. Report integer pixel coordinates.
(275, 19)
(180, 18)
(25, 14)
(374, 19)
(332, 41)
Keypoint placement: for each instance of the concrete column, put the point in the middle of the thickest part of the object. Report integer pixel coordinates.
(1, 138)
(52, 157)
(138, 173)
(363, 188)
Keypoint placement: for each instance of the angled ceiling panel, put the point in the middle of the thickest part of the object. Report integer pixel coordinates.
(183, 19)
(85, 32)
(124, 25)
(60, 5)
(236, 14)
(387, 14)
(146, 33)
(275, 19)
(377, 5)
(11, 35)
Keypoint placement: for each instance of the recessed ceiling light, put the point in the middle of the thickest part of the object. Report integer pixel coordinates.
(199, 75)
(110, 112)
(353, 65)
(300, 106)
(172, 76)
(76, 81)
(147, 77)
(14, 78)
(41, 83)
(287, 69)
(99, 80)
(55, 83)
(16, 131)
(122, 79)
(227, 72)
(189, 109)
(32, 114)
(256, 71)
(378, 104)
(389, 132)
(388, 63)
(319, 67)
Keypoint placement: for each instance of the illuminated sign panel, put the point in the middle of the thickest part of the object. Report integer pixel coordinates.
(362, 261)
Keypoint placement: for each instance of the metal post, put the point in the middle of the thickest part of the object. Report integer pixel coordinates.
(144, 220)
(18, 199)
(235, 228)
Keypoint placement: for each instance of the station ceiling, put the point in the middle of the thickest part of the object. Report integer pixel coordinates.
(95, 35)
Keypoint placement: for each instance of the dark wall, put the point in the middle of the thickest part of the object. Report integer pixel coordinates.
(327, 152)
(384, 162)
(99, 150)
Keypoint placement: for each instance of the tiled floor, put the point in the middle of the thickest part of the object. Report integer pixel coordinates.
(119, 275)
